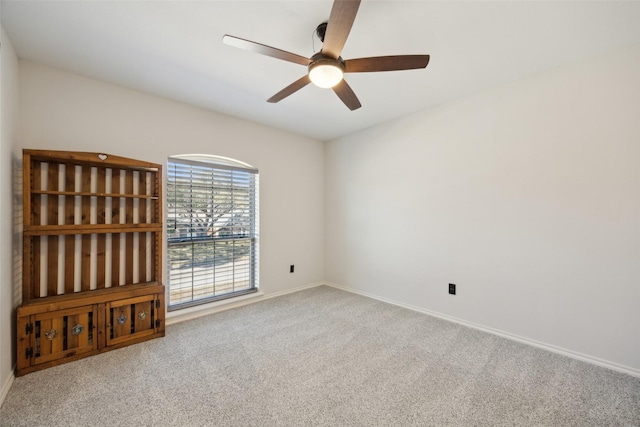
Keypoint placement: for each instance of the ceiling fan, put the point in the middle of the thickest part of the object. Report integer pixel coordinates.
(326, 68)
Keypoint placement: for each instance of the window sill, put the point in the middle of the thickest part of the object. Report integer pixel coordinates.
(194, 312)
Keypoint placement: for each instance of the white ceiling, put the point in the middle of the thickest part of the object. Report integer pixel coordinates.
(174, 49)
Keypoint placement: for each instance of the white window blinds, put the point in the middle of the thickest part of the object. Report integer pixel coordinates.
(212, 229)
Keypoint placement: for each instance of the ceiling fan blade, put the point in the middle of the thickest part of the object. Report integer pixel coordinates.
(386, 63)
(293, 87)
(264, 50)
(346, 94)
(343, 13)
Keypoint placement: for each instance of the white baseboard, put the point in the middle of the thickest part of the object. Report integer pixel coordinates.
(549, 347)
(6, 386)
(218, 306)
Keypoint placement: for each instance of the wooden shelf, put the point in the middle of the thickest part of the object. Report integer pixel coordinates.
(89, 159)
(89, 194)
(99, 296)
(92, 250)
(61, 230)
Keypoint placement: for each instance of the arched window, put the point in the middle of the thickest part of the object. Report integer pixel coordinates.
(212, 229)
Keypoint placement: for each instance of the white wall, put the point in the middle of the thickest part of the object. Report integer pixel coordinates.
(8, 128)
(64, 111)
(527, 196)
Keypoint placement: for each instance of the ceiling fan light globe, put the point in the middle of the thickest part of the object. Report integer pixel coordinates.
(325, 75)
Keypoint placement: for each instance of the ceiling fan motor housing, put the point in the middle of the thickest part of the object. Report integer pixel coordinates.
(319, 58)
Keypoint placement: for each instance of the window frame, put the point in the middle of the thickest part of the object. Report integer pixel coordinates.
(242, 225)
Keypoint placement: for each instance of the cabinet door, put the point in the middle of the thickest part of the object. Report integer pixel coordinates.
(63, 333)
(131, 318)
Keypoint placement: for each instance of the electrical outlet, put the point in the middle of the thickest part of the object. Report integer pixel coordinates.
(452, 288)
(291, 268)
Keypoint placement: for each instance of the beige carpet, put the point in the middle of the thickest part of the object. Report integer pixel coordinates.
(328, 358)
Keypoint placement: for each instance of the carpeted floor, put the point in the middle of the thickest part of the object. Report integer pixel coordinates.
(324, 357)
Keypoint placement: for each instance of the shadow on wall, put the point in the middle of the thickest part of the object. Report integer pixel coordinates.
(17, 243)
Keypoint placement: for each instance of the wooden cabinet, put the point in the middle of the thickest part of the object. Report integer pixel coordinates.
(59, 329)
(91, 264)
(52, 335)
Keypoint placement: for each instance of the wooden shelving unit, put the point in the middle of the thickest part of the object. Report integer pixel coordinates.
(92, 276)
